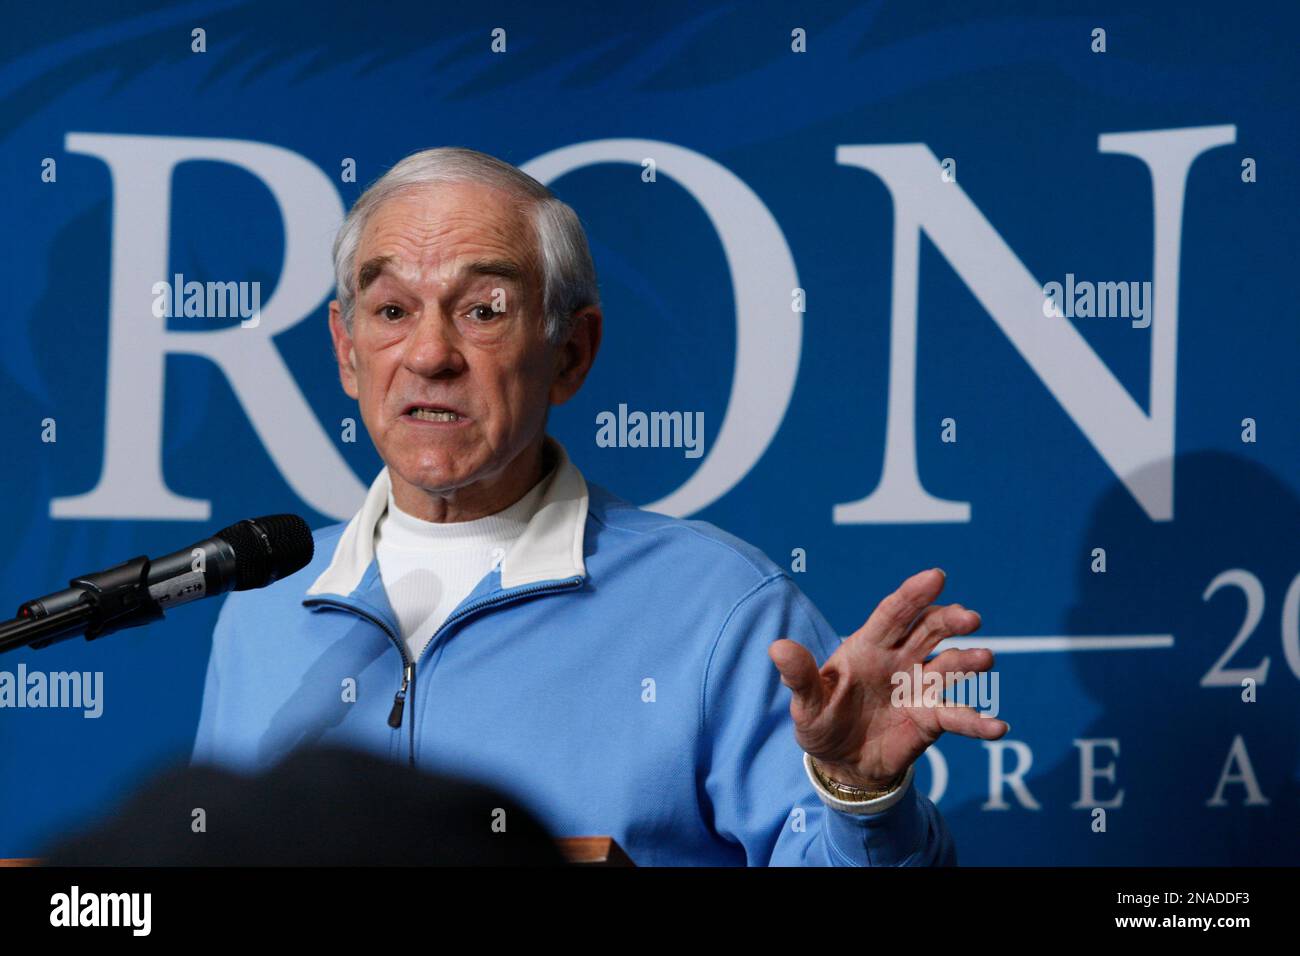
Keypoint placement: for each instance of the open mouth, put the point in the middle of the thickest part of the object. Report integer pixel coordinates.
(433, 413)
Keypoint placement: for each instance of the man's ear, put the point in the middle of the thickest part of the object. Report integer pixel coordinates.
(575, 357)
(344, 350)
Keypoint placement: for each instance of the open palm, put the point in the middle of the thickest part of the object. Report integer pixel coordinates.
(844, 714)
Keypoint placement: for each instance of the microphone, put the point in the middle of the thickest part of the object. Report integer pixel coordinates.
(249, 554)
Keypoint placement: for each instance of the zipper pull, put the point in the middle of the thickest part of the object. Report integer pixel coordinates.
(399, 701)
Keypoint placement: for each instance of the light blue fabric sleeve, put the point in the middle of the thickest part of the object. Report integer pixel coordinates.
(751, 768)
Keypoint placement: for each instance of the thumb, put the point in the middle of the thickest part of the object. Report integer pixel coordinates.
(799, 672)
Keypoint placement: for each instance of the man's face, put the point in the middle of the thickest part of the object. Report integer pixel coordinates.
(449, 317)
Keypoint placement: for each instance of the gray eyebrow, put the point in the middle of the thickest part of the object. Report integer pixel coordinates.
(503, 268)
(372, 269)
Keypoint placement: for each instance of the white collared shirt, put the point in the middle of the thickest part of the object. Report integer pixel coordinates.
(428, 567)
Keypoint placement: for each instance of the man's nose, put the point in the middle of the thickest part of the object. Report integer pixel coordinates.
(433, 347)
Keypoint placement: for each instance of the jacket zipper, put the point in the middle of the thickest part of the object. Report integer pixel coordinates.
(407, 689)
(408, 667)
(395, 715)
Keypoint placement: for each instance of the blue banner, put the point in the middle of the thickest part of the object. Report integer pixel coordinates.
(997, 288)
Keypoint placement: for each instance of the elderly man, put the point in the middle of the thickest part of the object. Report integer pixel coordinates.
(490, 613)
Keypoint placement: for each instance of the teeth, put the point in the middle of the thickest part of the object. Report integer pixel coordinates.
(432, 415)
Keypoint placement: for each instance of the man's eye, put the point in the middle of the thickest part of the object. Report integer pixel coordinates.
(483, 312)
(386, 312)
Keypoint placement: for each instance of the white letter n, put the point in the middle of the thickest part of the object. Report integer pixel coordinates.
(1138, 448)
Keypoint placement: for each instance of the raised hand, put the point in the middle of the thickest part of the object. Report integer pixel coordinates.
(844, 714)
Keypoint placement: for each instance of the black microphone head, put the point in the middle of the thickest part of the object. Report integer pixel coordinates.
(268, 548)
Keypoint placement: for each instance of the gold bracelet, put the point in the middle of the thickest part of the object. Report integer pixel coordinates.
(842, 791)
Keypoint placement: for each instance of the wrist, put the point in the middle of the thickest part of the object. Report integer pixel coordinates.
(849, 786)
(857, 807)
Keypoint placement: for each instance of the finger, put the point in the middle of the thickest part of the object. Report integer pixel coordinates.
(968, 722)
(890, 621)
(799, 672)
(937, 622)
(961, 660)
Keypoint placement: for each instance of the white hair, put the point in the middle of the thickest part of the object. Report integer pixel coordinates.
(568, 273)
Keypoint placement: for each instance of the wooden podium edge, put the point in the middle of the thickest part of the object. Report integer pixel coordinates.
(593, 851)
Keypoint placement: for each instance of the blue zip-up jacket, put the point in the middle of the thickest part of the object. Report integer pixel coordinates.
(611, 673)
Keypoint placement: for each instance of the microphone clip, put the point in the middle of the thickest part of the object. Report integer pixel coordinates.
(112, 601)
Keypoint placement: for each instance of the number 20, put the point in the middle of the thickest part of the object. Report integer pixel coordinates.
(1220, 676)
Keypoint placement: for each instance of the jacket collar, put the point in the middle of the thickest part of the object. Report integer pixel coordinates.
(549, 548)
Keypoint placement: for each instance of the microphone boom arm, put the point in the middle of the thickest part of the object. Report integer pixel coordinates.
(110, 601)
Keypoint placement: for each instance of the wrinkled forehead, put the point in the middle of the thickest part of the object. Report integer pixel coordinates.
(439, 230)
